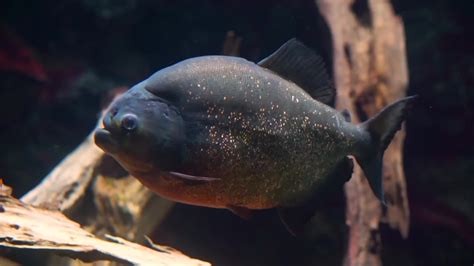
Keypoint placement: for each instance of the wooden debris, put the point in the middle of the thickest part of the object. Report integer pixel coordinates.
(23, 226)
(370, 71)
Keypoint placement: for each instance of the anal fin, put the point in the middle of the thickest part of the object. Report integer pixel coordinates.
(344, 170)
(297, 218)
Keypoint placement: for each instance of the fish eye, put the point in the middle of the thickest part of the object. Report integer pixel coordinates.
(129, 122)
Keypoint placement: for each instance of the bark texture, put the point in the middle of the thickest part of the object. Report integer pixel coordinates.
(23, 226)
(370, 70)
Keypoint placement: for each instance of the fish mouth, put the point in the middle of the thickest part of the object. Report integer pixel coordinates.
(103, 138)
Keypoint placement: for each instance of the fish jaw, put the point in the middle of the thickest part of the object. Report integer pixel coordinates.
(103, 138)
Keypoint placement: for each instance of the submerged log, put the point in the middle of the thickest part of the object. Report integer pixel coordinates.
(23, 226)
(370, 70)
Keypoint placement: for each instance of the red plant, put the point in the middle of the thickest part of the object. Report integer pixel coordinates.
(16, 56)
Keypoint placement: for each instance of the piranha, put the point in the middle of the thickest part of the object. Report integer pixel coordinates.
(223, 132)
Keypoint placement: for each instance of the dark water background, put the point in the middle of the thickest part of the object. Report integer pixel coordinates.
(59, 59)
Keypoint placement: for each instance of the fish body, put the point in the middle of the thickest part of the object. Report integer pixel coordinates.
(223, 132)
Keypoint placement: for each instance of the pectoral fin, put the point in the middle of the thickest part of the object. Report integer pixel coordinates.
(192, 178)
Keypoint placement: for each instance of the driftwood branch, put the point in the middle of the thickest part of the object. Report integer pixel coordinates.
(23, 226)
(370, 70)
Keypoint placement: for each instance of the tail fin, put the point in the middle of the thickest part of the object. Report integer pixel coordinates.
(381, 129)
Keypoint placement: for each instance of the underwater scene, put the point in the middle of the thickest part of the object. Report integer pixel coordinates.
(273, 132)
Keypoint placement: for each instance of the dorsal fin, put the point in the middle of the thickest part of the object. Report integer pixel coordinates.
(298, 63)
